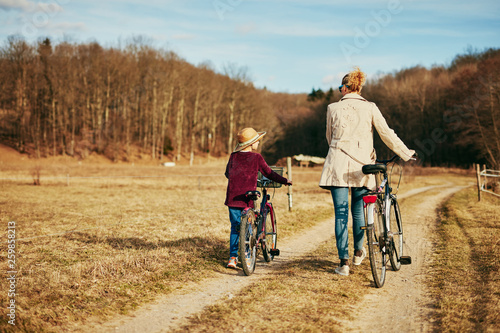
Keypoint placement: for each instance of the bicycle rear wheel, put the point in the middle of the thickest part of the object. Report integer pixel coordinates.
(248, 242)
(271, 237)
(397, 235)
(376, 244)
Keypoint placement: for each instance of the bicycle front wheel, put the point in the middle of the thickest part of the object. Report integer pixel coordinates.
(248, 242)
(271, 237)
(376, 243)
(397, 235)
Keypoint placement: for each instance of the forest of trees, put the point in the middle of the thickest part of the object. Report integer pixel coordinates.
(75, 99)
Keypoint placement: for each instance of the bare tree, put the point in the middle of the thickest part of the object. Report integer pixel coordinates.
(18, 64)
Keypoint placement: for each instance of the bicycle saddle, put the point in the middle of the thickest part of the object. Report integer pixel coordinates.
(374, 168)
(253, 195)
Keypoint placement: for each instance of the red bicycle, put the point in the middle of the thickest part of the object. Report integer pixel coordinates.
(258, 228)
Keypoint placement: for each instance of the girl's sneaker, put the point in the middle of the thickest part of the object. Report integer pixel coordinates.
(232, 262)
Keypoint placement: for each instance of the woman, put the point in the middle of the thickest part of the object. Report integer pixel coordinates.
(349, 132)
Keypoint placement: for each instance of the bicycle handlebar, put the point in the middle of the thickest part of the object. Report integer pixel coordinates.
(388, 161)
(264, 182)
(394, 158)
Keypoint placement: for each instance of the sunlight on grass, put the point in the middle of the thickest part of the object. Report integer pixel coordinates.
(466, 284)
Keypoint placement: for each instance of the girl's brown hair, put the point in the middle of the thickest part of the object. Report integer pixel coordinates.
(354, 80)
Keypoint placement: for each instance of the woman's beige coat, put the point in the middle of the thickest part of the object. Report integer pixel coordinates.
(349, 131)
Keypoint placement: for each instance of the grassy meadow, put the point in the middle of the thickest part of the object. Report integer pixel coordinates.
(116, 236)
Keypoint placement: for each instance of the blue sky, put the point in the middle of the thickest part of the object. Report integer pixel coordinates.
(287, 46)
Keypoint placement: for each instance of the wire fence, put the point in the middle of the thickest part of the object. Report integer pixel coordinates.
(488, 181)
(495, 175)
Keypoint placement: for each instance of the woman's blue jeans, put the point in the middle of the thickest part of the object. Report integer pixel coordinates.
(340, 197)
(235, 218)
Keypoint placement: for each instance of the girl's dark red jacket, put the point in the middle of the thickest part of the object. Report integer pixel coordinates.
(241, 172)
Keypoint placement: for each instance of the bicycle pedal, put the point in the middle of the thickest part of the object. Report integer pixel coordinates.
(274, 252)
(405, 260)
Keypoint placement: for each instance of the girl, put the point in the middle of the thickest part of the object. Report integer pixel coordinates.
(241, 172)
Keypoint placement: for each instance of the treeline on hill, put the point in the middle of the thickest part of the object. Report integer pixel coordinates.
(75, 99)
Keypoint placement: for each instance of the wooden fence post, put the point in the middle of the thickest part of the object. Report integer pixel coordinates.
(485, 181)
(478, 168)
(289, 174)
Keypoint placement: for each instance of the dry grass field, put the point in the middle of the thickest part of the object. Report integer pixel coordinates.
(118, 235)
(112, 237)
(466, 281)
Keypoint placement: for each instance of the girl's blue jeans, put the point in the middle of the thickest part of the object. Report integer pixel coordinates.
(340, 202)
(235, 219)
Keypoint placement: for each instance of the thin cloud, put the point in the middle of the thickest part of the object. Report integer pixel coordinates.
(184, 36)
(483, 9)
(433, 32)
(23, 5)
(329, 79)
(78, 26)
(305, 31)
(246, 28)
(30, 6)
(295, 29)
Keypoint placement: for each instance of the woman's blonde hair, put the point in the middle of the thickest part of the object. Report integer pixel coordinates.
(355, 80)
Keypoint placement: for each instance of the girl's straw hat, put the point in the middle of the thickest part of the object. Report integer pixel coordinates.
(247, 137)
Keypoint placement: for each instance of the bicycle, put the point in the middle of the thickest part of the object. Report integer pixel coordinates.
(256, 229)
(383, 222)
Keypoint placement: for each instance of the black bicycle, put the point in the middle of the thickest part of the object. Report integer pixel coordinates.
(383, 222)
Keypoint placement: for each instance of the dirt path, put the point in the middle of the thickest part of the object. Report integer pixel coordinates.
(403, 295)
(404, 312)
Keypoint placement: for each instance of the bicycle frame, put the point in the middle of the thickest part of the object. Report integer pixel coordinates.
(382, 192)
(261, 215)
